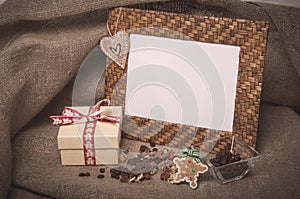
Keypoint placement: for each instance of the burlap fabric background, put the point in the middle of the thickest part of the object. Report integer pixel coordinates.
(42, 45)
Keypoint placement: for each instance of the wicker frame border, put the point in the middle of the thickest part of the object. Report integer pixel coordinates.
(251, 36)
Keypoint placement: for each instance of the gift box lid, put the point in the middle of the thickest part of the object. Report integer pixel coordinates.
(107, 135)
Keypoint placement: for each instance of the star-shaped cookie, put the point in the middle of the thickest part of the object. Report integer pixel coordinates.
(188, 171)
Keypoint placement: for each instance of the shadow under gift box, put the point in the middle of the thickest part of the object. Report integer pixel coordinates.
(235, 170)
(107, 138)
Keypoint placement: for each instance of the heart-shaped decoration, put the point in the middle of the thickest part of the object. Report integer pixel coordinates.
(116, 48)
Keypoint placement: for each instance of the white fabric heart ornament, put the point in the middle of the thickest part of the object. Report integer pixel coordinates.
(116, 48)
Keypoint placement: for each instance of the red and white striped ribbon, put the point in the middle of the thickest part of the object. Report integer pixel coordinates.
(72, 116)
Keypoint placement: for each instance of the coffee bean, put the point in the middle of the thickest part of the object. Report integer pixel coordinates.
(81, 174)
(117, 177)
(113, 170)
(102, 170)
(87, 174)
(100, 176)
(225, 157)
(113, 175)
(152, 143)
(144, 149)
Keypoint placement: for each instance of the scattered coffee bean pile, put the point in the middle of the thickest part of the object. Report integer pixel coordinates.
(100, 176)
(142, 166)
(126, 176)
(148, 159)
(232, 171)
(225, 157)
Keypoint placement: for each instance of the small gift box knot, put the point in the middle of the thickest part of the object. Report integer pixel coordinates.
(72, 116)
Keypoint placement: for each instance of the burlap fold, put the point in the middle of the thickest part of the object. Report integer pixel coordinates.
(42, 44)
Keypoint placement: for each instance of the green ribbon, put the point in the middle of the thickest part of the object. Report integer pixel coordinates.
(191, 153)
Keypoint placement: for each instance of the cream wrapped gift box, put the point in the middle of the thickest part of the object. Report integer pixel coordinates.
(89, 137)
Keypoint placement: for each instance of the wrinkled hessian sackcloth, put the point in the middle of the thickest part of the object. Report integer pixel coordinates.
(43, 43)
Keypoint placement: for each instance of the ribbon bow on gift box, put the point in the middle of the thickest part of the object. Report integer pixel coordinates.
(72, 116)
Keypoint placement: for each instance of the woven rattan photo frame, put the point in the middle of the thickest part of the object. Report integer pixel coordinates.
(251, 36)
